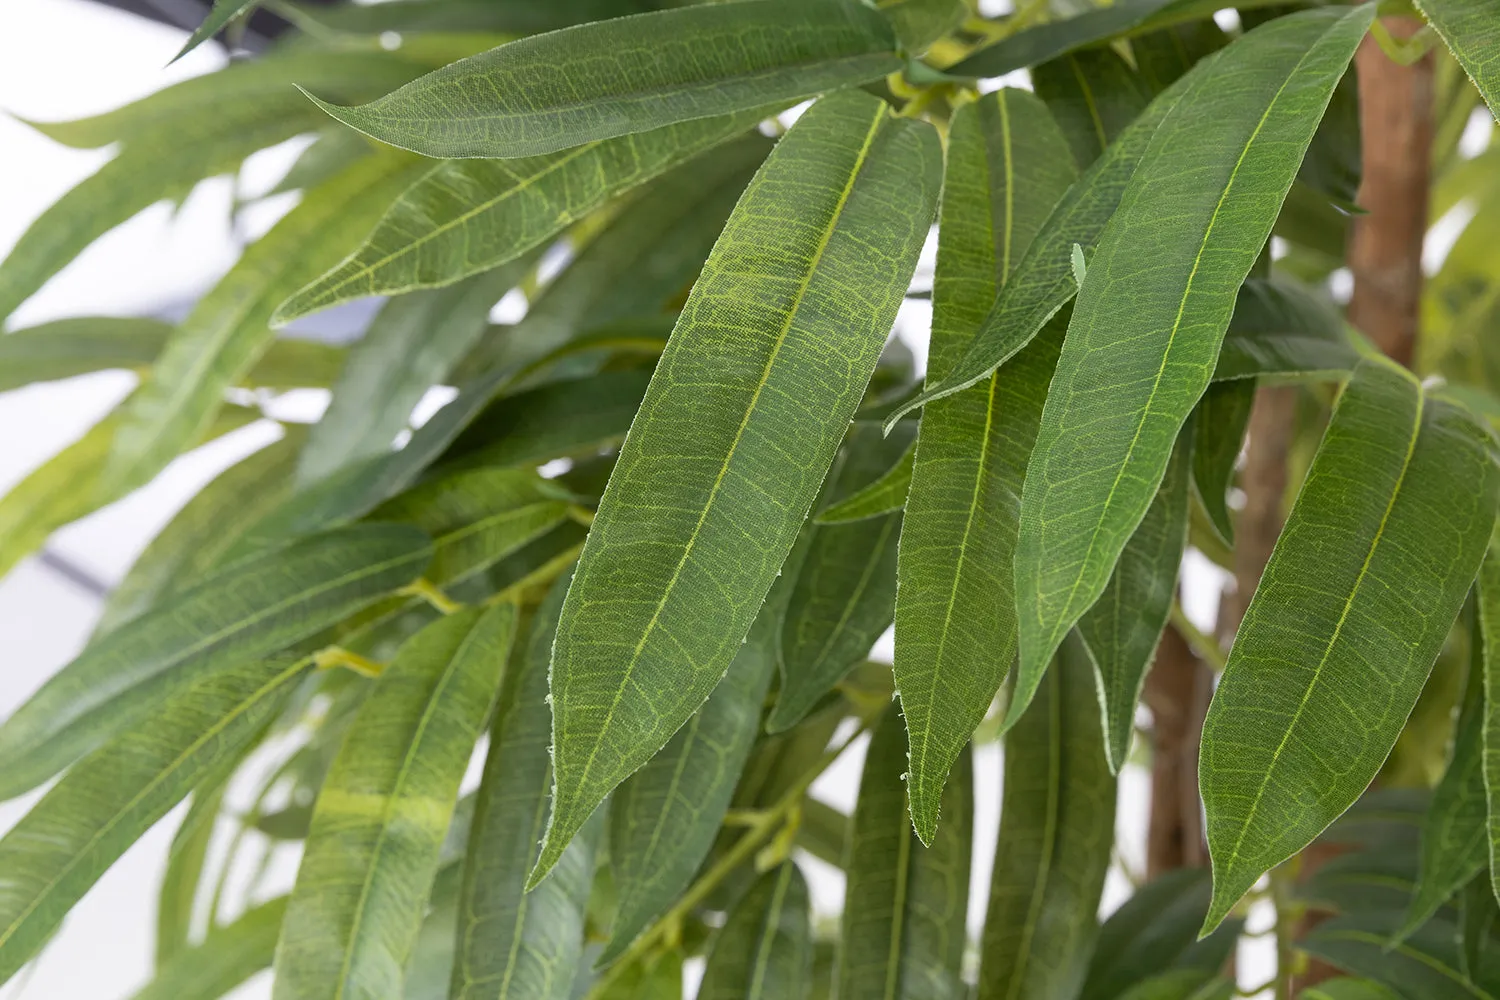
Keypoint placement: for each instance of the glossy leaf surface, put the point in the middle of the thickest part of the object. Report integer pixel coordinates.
(1189, 227)
(1337, 642)
(383, 812)
(712, 487)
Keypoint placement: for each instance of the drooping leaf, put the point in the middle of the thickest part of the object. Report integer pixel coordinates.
(1220, 420)
(1157, 929)
(513, 944)
(1426, 964)
(1469, 29)
(883, 496)
(845, 593)
(226, 958)
(431, 965)
(250, 610)
(68, 347)
(555, 420)
(1094, 95)
(764, 949)
(466, 216)
(410, 346)
(1455, 845)
(1306, 713)
(186, 549)
(378, 827)
(664, 818)
(1048, 41)
(69, 485)
(478, 517)
(1043, 281)
(631, 74)
(1123, 627)
(955, 620)
(1333, 166)
(1281, 329)
(228, 328)
(712, 487)
(905, 904)
(113, 796)
(218, 18)
(1188, 229)
(1057, 822)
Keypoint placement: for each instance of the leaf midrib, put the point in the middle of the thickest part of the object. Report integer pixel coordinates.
(627, 674)
(770, 926)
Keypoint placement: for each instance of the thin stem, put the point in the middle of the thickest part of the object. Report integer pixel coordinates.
(759, 828)
(1202, 644)
(428, 592)
(1287, 914)
(338, 656)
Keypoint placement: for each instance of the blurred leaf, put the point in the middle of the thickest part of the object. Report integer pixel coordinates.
(885, 495)
(919, 23)
(218, 18)
(1157, 929)
(1190, 225)
(1345, 988)
(186, 549)
(177, 898)
(626, 75)
(381, 817)
(1220, 421)
(519, 17)
(1305, 714)
(252, 609)
(845, 592)
(410, 346)
(227, 329)
(905, 905)
(1469, 29)
(466, 216)
(1182, 984)
(764, 950)
(1124, 626)
(720, 482)
(1057, 822)
(333, 151)
(513, 944)
(1094, 95)
(113, 796)
(430, 968)
(955, 620)
(225, 959)
(1426, 964)
(1281, 329)
(1048, 41)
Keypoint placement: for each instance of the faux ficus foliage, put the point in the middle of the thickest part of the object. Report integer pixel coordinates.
(635, 568)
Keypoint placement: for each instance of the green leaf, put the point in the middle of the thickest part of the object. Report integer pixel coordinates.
(1345, 988)
(1124, 626)
(1157, 929)
(68, 485)
(478, 517)
(177, 898)
(68, 347)
(513, 944)
(559, 419)
(187, 548)
(1305, 714)
(1220, 420)
(1487, 610)
(431, 965)
(1283, 330)
(1333, 166)
(467, 216)
(1057, 823)
(631, 74)
(112, 797)
(1093, 95)
(381, 817)
(905, 905)
(718, 484)
(410, 346)
(250, 610)
(507, 17)
(1042, 282)
(656, 977)
(1468, 28)
(1479, 919)
(225, 959)
(845, 592)
(1182, 984)
(885, 495)
(1189, 227)
(223, 12)
(1455, 845)
(764, 950)
(1427, 964)
(1048, 41)
(227, 329)
(919, 23)
(955, 621)
(665, 817)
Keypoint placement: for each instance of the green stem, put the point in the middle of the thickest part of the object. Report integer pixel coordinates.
(1203, 645)
(432, 595)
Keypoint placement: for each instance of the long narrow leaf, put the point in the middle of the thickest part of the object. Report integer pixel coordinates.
(764, 951)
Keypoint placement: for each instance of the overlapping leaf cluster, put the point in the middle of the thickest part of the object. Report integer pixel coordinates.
(639, 560)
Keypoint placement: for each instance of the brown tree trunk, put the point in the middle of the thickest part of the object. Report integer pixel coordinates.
(1385, 249)
(1177, 692)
